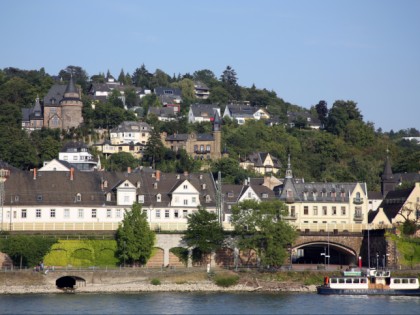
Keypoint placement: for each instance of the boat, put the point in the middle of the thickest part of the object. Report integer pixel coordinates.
(372, 282)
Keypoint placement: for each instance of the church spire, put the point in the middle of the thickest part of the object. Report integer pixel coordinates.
(388, 182)
(71, 88)
(289, 168)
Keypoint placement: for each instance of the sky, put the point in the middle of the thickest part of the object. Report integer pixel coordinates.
(366, 51)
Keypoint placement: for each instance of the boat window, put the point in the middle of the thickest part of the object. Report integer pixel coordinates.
(333, 280)
(363, 280)
(396, 280)
(356, 280)
(348, 280)
(412, 280)
(340, 280)
(404, 280)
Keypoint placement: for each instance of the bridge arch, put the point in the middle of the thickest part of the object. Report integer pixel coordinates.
(324, 252)
(70, 282)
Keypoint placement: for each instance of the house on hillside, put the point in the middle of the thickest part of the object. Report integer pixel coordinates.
(77, 155)
(303, 120)
(201, 90)
(168, 96)
(242, 113)
(261, 162)
(199, 146)
(202, 112)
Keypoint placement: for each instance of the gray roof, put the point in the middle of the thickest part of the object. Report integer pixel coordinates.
(162, 111)
(204, 110)
(56, 92)
(185, 136)
(132, 126)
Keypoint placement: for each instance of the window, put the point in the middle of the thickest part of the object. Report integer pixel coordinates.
(343, 210)
(23, 214)
(78, 197)
(118, 213)
(166, 213)
(292, 211)
(108, 213)
(80, 213)
(126, 199)
(201, 148)
(93, 213)
(193, 200)
(208, 148)
(315, 210)
(185, 202)
(158, 197)
(66, 213)
(324, 210)
(305, 210)
(185, 214)
(208, 199)
(334, 210)
(39, 198)
(108, 197)
(38, 213)
(185, 187)
(52, 213)
(176, 213)
(141, 198)
(157, 213)
(75, 158)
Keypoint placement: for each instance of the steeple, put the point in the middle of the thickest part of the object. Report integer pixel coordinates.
(216, 121)
(71, 88)
(289, 168)
(388, 181)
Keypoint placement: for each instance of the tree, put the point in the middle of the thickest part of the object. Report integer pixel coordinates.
(26, 250)
(229, 81)
(204, 231)
(205, 76)
(121, 161)
(134, 238)
(154, 150)
(259, 226)
(322, 111)
(340, 114)
(141, 77)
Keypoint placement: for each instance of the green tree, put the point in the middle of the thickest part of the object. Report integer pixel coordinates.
(259, 226)
(121, 161)
(141, 77)
(340, 114)
(154, 150)
(134, 238)
(26, 251)
(205, 76)
(204, 231)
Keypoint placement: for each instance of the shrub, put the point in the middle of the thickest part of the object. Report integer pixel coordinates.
(155, 281)
(226, 280)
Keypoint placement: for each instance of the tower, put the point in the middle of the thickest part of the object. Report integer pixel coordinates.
(217, 134)
(71, 106)
(388, 181)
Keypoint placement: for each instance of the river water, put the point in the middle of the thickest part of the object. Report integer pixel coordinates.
(206, 303)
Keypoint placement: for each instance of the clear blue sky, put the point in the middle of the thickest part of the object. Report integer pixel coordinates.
(367, 51)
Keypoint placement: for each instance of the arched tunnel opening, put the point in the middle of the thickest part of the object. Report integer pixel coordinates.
(69, 282)
(323, 254)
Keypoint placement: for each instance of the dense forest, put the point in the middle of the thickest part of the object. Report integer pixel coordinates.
(346, 149)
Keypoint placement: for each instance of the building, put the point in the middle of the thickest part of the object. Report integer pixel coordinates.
(61, 108)
(261, 162)
(201, 90)
(168, 96)
(199, 146)
(129, 136)
(96, 201)
(242, 113)
(202, 113)
(303, 120)
(398, 206)
(77, 155)
(324, 206)
(169, 113)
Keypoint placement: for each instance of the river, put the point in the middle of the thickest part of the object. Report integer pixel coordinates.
(205, 303)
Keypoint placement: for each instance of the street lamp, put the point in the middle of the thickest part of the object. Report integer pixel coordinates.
(377, 260)
(4, 175)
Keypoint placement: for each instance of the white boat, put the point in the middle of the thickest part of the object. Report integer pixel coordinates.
(374, 282)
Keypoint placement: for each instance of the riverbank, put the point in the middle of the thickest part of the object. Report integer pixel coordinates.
(141, 281)
(164, 287)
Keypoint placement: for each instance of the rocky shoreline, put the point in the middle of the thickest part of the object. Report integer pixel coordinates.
(164, 287)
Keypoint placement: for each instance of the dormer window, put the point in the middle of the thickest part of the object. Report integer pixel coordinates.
(140, 199)
(230, 194)
(105, 184)
(203, 186)
(155, 185)
(79, 197)
(265, 195)
(138, 184)
(158, 197)
(108, 197)
(208, 199)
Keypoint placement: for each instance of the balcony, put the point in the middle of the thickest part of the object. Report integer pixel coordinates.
(202, 151)
(357, 201)
(358, 217)
(290, 199)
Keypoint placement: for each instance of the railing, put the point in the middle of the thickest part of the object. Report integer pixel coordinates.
(357, 201)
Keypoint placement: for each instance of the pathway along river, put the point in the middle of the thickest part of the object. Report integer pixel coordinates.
(205, 303)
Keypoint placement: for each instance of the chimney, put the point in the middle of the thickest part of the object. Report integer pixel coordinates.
(71, 173)
(129, 170)
(157, 175)
(185, 173)
(34, 173)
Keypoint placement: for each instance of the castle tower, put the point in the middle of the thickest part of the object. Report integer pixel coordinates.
(71, 106)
